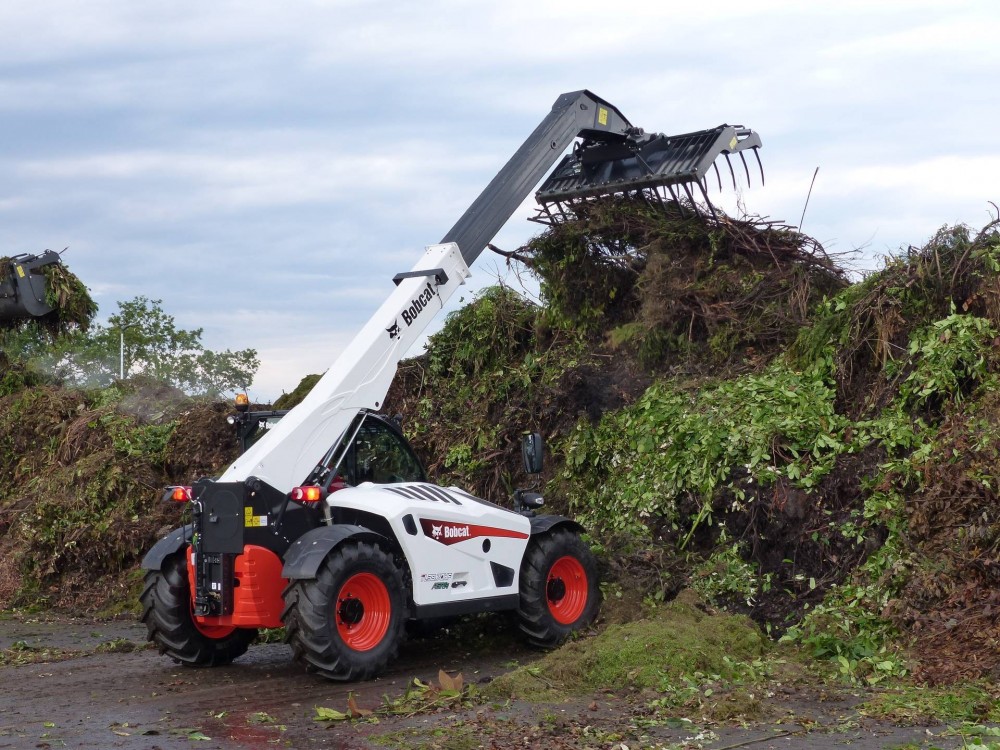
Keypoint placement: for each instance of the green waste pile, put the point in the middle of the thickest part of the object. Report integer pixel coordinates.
(725, 411)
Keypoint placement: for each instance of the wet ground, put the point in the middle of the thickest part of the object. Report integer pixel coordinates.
(85, 684)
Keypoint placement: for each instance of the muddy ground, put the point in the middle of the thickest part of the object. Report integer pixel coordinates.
(91, 684)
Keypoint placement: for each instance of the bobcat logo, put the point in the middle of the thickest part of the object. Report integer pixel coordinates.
(393, 330)
(436, 531)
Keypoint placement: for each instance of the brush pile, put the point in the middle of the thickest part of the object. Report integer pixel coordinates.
(673, 286)
(724, 410)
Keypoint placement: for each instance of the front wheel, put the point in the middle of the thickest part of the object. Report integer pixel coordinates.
(166, 611)
(558, 588)
(347, 623)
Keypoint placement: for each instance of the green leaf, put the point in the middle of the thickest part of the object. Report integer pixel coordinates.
(329, 714)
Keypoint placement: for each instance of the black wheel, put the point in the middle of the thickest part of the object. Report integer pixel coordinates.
(347, 623)
(166, 610)
(558, 588)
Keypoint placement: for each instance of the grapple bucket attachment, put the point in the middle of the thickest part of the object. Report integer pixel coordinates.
(658, 167)
(23, 286)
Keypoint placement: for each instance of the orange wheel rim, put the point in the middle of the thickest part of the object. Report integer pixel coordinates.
(566, 590)
(363, 611)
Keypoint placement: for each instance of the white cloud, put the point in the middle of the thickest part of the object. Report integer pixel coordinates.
(266, 168)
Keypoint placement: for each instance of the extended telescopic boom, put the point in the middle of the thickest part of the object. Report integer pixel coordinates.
(611, 157)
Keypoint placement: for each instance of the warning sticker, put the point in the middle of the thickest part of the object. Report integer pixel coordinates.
(249, 519)
(602, 116)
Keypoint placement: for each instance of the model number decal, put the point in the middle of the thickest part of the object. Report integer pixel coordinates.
(449, 532)
(426, 577)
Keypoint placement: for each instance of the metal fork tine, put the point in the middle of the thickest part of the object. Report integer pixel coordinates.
(756, 153)
(708, 201)
(745, 167)
(676, 199)
(718, 176)
(687, 190)
(731, 172)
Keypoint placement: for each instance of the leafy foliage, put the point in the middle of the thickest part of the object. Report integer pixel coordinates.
(664, 283)
(152, 346)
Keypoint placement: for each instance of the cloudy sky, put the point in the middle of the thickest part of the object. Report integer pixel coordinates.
(265, 168)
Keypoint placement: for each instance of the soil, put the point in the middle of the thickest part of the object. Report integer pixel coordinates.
(95, 685)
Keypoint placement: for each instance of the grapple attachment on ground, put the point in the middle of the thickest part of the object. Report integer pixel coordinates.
(654, 166)
(23, 286)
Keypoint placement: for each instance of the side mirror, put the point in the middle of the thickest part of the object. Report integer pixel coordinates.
(531, 451)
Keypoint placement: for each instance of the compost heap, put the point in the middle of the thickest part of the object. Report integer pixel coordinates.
(724, 411)
(81, 476)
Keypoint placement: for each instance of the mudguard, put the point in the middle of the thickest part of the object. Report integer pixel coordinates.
(541, 524)
(168, 545)
(307, 553)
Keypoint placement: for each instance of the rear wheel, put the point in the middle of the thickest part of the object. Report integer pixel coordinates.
(347, 623)
(558, 588)
(166, 611)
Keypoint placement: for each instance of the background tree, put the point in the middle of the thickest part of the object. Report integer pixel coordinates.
(153, 346)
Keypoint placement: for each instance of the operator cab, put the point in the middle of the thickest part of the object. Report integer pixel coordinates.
(381, 454)
(378, 453)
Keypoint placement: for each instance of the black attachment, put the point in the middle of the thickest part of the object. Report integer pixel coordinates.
(653, 166)
(23, 286)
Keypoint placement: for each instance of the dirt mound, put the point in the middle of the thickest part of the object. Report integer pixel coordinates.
(866, 489)
(81, 478)
(719, 405)
(202, 444)
(871, 324)
(951, 599)
(672, 286)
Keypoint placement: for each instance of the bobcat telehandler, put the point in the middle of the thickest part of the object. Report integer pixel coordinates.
(327, 524)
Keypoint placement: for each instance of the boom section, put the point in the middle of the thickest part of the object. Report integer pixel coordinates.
(358, 379)
(576, 114)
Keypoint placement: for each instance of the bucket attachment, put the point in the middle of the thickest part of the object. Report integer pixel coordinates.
(23, 286)
(658, 167)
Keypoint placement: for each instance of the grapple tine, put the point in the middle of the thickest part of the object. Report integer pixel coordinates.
(677, 200)
(745, 167)
(708, 201)
(731, 172)
(687, 191)
(602, 165)
(756, 153)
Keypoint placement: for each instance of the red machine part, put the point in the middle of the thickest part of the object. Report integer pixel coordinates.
(257, 601)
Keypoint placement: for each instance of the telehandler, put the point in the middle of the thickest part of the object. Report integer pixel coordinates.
(327, 524)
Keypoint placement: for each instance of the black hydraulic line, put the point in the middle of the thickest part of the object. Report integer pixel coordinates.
(573, 114)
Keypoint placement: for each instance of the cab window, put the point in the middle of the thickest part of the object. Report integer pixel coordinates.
(380, 455)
